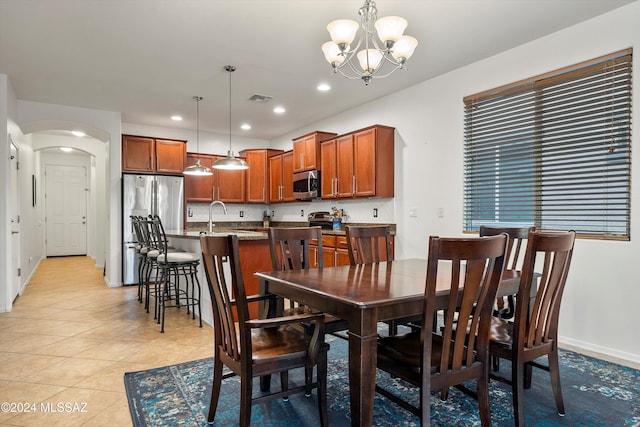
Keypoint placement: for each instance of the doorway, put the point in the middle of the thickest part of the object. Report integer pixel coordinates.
(66, 210)
(15, 219)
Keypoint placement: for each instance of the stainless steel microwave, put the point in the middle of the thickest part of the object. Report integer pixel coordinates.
(306, 185)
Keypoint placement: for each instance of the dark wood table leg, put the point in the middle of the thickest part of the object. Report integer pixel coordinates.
(362, 367)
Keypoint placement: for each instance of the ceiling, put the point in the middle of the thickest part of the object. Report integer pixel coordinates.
(148, 58)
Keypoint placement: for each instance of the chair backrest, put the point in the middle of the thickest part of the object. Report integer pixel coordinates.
(289, 247)
(470, 269)
(517, 242)
(157, 237)
(537, 324)
(216, 252)
(369, 244)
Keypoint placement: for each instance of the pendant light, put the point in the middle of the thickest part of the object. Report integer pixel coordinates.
(230, 162)
(197, 169)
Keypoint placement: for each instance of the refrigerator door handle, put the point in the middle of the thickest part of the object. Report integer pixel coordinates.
(154, 197)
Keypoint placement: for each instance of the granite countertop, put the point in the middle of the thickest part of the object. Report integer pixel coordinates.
(195, 234)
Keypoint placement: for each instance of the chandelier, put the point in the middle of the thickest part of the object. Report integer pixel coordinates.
(382, 42)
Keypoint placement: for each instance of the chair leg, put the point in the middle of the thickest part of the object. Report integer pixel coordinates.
(284, 384)
(554, 371)
(215, 387)
(517, 389)
(245, 401)
(308, 379)
(322, 388)
(483, 399)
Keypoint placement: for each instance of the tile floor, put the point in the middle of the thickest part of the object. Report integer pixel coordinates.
(69, 340)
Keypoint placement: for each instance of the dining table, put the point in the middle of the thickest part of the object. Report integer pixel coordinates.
(364, 295)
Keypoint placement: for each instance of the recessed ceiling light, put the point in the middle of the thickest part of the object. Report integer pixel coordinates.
(279, 110)
(176, 118)
(66, 149)
(323, 87)
(245, 126)
(78, 133)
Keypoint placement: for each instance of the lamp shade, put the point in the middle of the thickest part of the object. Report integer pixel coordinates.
(390, 28)
(369, 60)
(343, 30)
(404, 47)
(332, 53)
(230, 163)
(197, 170)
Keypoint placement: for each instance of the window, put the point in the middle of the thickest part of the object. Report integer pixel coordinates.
(553, 151)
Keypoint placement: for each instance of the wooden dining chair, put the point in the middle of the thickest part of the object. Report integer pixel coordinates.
(515, 251)
(290, 250)
(371, 244)
(258, 347)
(534, 331)
(468, 272)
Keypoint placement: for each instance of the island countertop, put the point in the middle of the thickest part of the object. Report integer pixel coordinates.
(194, 234)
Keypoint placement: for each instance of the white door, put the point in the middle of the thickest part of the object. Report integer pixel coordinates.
(15, 222)
(66, 210)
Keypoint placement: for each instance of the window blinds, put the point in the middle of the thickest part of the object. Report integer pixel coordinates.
(553, 151)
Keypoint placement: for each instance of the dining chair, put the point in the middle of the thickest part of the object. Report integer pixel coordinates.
(534, 331)
(515, 250)
(258, 347)
(290, 250)
(370, 244)
(467, 272)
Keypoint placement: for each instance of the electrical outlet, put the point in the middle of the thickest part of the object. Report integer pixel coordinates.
(241, 214)
(301, 212)
(273, 213)
(440, 212)
(375, 212)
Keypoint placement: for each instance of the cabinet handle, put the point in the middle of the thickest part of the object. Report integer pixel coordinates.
(353, 185)
(334, 187)
(263, 197)
(302, 160)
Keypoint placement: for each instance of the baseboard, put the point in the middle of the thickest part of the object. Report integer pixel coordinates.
(599, 352)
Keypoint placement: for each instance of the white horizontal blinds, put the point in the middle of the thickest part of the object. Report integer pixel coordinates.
(553, 151)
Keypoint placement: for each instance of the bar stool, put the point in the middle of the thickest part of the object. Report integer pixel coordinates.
(170, 267)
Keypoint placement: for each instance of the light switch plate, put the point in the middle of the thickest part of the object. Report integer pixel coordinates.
(413, 212)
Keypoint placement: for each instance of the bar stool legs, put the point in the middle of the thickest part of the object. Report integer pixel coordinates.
(170, 293)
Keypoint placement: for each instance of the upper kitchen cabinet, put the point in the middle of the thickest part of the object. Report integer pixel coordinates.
(257, 187)
(153, 155)
(281, 177)
(199, 188)
(225, 185)
(306, 150)
(358, 164)
(229, 186)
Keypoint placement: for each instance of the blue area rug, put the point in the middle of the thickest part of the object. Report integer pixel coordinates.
(596, 393)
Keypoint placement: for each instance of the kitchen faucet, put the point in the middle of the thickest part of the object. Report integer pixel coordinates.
(215, 202)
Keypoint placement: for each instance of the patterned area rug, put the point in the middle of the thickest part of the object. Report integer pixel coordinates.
(596, 393)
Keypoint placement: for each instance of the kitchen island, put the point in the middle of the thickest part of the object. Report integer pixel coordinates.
(254, 256)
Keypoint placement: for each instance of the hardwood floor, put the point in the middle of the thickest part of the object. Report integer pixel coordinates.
(69, 340)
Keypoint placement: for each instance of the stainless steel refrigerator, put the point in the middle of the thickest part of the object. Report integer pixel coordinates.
(145, 195)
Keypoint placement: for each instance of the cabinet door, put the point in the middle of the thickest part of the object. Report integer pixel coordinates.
(198, 189)
(170, 156)
(257, 178)
(275, 178)
(138, 154)
(299, 147)
(364, 163)
(287, 177)
(328, 169)
(344, 166)
(229, 185)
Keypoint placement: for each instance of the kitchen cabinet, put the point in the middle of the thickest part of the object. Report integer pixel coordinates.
(229, 185)
(225, 185)
(334, 251)
(306, 150)
(199, 188)
(358, 164)
(281, 177)
(257, 177)
(153, 155)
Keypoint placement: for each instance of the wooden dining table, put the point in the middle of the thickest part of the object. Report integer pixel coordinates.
(364, 295)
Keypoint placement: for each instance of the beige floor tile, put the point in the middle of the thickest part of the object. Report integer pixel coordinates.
(23, 365)
(69, 346)
(68, 372)
(26, 343)
(115, 415)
